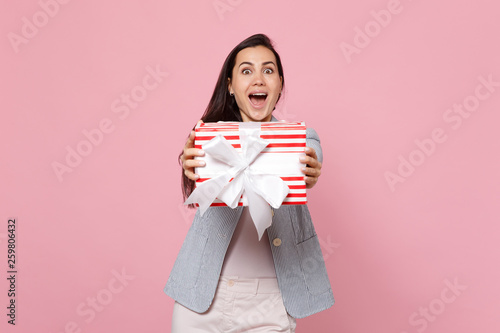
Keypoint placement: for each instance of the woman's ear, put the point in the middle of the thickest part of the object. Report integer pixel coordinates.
(229, 86)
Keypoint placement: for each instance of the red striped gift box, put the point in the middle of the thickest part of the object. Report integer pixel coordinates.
(287, 141)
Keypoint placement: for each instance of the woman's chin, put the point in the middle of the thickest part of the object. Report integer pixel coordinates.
(256, 115)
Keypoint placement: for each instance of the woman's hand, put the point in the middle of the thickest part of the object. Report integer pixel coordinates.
(313, 167)
(187, 157)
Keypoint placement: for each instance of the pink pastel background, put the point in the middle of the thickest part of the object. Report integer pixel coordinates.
(393, 252)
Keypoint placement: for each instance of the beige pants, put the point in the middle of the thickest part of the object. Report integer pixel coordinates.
(239, 305)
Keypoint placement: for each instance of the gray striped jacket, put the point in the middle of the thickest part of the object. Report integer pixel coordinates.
(298, 261)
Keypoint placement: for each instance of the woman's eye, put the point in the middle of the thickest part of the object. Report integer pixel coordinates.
(268, 71)
(246, 71)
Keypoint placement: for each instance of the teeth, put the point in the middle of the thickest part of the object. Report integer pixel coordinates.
(259, 94)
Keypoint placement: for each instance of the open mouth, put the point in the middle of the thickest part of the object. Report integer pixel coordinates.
(258, 99)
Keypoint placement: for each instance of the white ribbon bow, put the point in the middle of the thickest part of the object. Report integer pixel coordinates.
(260, 189)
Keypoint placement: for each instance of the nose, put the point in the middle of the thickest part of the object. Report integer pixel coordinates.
(259, 79)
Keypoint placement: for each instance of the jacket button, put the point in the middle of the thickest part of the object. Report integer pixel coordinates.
(276, 242)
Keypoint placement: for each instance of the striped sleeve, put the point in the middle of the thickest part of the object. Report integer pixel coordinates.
(312, 140)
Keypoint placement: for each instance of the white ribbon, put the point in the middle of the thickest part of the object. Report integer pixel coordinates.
(260, 189)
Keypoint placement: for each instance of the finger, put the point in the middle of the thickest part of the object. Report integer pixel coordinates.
(311, 152)
(190, 140)
(191, 175)
(310, 181)
(312, 172)
(310, 161)
(189, 153)
(189, 164)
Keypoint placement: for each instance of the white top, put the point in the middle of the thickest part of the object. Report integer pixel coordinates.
(246, 256)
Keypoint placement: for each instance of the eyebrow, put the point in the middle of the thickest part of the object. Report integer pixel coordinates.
(251, 64)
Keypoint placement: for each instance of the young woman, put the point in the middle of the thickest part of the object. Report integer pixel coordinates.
(224, 279)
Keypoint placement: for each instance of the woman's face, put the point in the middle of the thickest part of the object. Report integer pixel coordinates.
(256, 83)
